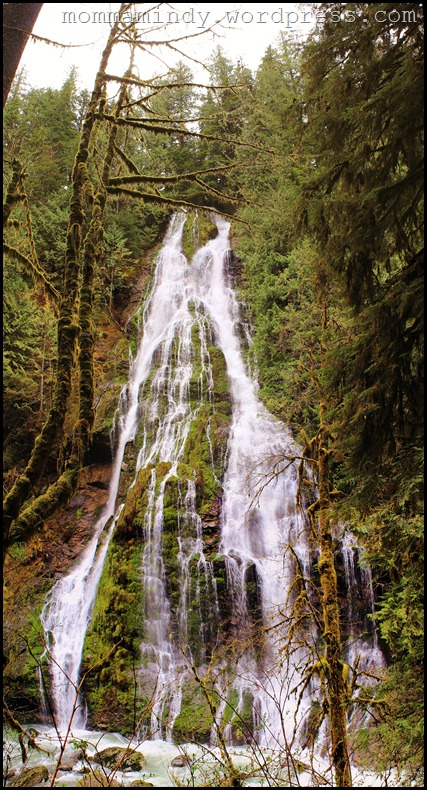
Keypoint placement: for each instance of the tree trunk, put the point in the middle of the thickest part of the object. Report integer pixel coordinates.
(68, 329)
(18, 22)
(336, 688)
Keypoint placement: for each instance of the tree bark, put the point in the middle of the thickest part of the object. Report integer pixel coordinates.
(68, 329)
(18, 22)
(336, 689)
(335, 683)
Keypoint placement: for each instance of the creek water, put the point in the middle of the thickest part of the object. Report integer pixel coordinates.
(192, 309)
(204, 767)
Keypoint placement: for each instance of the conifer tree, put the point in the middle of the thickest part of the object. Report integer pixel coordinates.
(362, 203)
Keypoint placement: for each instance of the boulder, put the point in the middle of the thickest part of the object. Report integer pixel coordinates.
(179, 761)
(70, 760)
(97, 779)
(31, 777)
(129, 760)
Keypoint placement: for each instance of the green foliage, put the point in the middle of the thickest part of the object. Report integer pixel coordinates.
(362, 203)
(395, 549)
(41, 128)
(194, 722)
(116, 632)
(364, 101)
(28, 358)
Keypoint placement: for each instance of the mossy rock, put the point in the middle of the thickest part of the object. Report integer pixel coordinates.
(115, 755)
(31, 777)
(230, 708)
(97, 779)
(242, 725)
(198, 230)
(131, 518)
(194, 722)
(109, 687)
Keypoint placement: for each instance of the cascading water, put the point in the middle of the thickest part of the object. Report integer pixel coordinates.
(69, 604)
(216, 570)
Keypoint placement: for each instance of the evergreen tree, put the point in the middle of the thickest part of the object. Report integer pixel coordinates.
(41, 129)
(223, 114)
(362, 203)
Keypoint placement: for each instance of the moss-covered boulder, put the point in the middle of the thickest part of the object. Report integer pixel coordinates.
(115, 756)
(242, 725)
(97, 779)
(195, 720)
(31, 777)
(198, 230)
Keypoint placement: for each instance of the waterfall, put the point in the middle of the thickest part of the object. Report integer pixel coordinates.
(69, 604)
(212, 501)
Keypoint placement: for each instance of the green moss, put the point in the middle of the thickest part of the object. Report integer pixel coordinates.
(31, 777)
(206, 444)
(112, 644)
(242, 725)
(162, 469)
(194, 722)
(170, 549)
(131, 519)
(230, 708)
(197, 231)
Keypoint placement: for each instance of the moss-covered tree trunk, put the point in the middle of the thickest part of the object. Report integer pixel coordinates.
(335, 682)
(68, 331)
(336, 688)
(18, 22)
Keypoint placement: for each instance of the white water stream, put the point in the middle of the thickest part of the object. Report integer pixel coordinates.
(258, 517)
(69, 605)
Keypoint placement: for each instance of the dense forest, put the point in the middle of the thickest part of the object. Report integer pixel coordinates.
(317, 161)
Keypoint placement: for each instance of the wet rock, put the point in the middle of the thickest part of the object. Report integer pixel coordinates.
(179, 761)
(31, 777)
(100, 450)
(70, 760)
(129, 761)
(97, 779)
